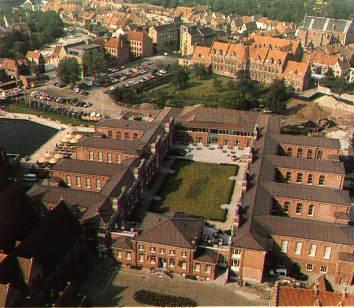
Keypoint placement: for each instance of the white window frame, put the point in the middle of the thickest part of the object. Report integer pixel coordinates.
(313, 248)
(327, 252)
(298, 248)
(313, 210)
(323, 266)
(307, 269)
(284, 246)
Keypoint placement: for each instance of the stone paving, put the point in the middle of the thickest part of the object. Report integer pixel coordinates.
(110, 286)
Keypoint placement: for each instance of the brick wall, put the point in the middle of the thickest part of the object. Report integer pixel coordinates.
(83, 153)
(331, 180)
(120, 133)
(309, 152)
(321, 211)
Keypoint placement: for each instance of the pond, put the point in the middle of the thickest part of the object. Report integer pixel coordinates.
(23, 137)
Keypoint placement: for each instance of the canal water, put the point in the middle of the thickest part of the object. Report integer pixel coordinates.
(23, 137)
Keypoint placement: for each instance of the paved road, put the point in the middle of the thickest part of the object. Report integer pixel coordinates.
(115, 289)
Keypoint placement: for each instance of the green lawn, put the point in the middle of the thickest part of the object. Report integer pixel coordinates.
(198, 189)
(197, 91)
(21, 108)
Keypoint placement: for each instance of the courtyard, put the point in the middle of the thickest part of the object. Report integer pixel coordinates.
(197, 189)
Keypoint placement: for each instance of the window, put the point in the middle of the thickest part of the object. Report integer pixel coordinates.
(312, 252)
(235, 263)
(110, 134)
(289, 151)
(119, 254)
(319, 154)
(78, 181)
(100, 156)
(129, 255)
(140, 247)
(321, 180)
(286, 206)
(311, 210)
(172, 252)
(327, 252)
(237, 251)
(118, 135)
(135, 136)
(162, 251)
(284, 246)
(237, 142)
(298, 248)
(119, 158)
(298, 208)
(88, 183)
(288, 176)
(109, 157)
(153, 260)
(172, 263)
(141, 257)
(126, 135)
(152, 249)
(323, 269)
(208, 268)
(98, 184)
(299, 153)
(184, 265)
(309, 267)
(309, 153)
(184, 254)
(299, 177)
(90, 155)
(68, 180)
(197, 267)
(310, 179)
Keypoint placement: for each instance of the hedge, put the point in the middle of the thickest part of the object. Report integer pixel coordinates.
(162, 300)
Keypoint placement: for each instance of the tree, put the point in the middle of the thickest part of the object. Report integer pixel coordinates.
(179, 76)
(277, 96)
(245, 94)
(69, 70)
(199, 70)
(94, 62)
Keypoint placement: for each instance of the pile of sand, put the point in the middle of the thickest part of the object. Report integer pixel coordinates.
(310, 112)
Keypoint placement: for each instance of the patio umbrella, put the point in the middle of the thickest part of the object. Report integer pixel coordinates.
(53, 161)
(64, 140)
(78, 137)
(69, 136)
(58, 156)
(73, 141)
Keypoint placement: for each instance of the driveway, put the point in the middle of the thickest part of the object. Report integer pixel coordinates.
(113, 288)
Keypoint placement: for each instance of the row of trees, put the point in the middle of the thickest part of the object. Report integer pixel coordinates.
(94, 62)
(37, 29)
(287, 10)
(242, 93)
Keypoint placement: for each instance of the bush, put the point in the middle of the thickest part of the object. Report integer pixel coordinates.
(163, 300)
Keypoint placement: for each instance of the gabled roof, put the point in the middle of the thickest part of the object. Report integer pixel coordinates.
(308, 141)
(36, 54)
(51, 240)
(326, 24)
(127, 124)
(175, 232)
(291, 296)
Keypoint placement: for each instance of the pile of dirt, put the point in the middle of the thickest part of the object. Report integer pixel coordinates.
(147, 106)
(309, 112)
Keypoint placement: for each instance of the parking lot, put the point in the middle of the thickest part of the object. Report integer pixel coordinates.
(99, 97)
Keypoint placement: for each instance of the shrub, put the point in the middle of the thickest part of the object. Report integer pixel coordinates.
(163, 300)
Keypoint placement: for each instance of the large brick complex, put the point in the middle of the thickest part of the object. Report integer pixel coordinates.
(292, 211)
(264, 58)
(296, 212)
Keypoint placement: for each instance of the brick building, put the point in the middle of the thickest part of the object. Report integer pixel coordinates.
(297, 210)
(166, 38)
(118, 48)
(194, 35)
(263, 62)
(217, 126)
(169, 243)
(104, 181)
(140, 44)
(322, 31)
